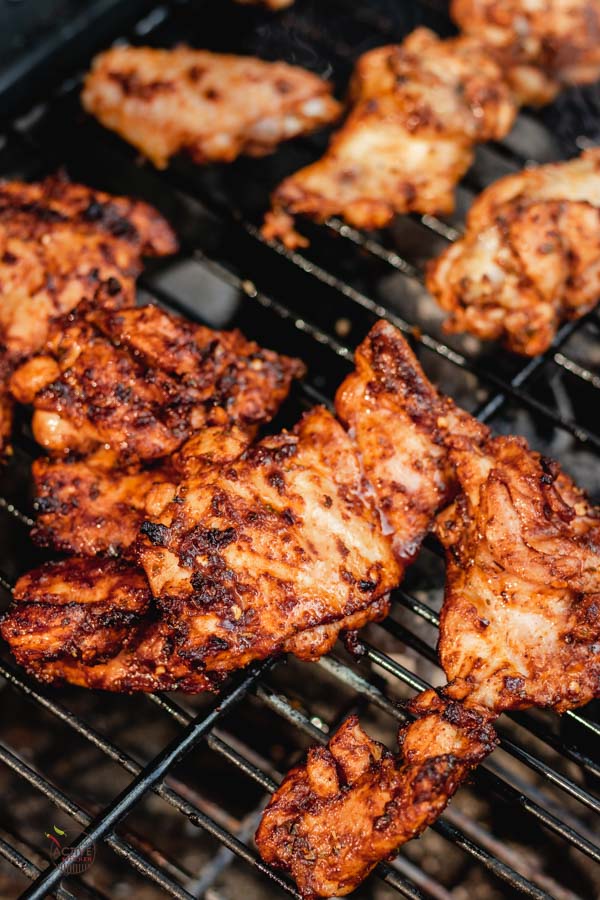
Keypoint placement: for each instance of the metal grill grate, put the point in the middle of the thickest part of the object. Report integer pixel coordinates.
(318, 305)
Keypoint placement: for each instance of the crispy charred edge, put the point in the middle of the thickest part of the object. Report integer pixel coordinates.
(399, 374)
(401, 798)
(67, 518)
(62, 201)
(250, 382)
(97, 643)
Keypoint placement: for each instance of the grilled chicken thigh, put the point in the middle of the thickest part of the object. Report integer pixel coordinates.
(530, 258)
(418, 109)
(520, 623)
(541, 45)
(213, 106)
(402, 426)
(59, 243)
(142, 381)
(276, 551)
(520, 627)
(353, 802)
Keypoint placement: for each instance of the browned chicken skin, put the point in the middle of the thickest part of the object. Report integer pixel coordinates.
(520, 624)
(111, 638)
(418, 110)
(353, 802)
(251, 555)
(530, 258)
(142, 380)
(541, 45)
(60, 243)
(401, 426)
(213, 106)
(276, 551)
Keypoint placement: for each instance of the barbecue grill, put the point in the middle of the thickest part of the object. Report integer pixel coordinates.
(165, 792)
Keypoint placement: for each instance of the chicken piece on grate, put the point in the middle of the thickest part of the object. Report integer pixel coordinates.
(97, 505)
(418, 110)
(520, 627)
(530, 258)
(60, 243)
(111, 637)
(278, 550)
(541, 45)
(114, 637)
(264, 551)
(353, 802)
(520, 623)
(213, 106)
(402, 428)
(142, 381)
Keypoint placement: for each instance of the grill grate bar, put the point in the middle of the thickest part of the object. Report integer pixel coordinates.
(126, 762)
(62, 802)
(147, 778)
(24, 865)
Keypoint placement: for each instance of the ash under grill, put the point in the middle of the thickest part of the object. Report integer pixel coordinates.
(169, 789)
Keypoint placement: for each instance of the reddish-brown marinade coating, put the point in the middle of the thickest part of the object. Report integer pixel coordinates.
(142, 381)
(418, 109)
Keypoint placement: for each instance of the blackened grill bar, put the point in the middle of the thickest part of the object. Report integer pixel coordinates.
(286, 319)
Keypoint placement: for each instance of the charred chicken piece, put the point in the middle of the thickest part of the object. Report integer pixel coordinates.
(95, 506)
(401, 427)
(142, 381)
(114, 637)
(520, 624)
(213, 106)
(530, 258)
(109, 638)
(58, 242)
(282, 547)
(541, 46)
(235, 570)
(418, 109)
(353, 803)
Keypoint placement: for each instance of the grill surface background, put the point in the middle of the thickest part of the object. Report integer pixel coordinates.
(170, 788)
